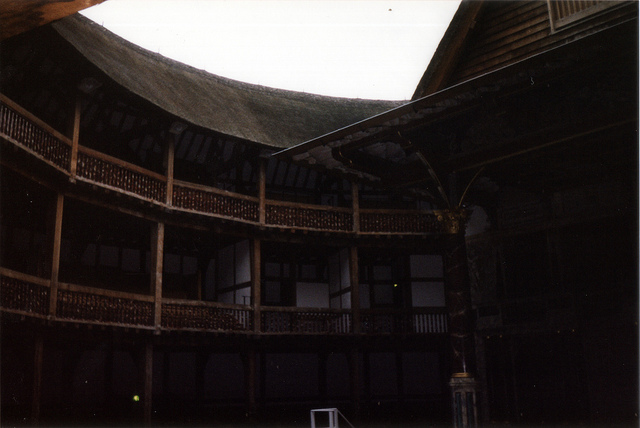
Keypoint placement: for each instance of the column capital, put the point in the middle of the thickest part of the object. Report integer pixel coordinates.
(453, 220)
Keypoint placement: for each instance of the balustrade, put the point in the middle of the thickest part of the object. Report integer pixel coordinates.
(24, 296)
(116, 174)
(34, 137)
(211, 202)
(388, 322)
(83, 306)
(305, 321)
(397, 221)
(308, 217)
(205, 317)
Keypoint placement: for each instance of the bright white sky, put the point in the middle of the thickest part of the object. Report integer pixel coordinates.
(348, 48)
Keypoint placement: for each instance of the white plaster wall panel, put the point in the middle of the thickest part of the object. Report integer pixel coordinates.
(312, 295)
(243, 262)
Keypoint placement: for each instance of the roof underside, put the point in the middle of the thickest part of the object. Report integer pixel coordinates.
(272, 117)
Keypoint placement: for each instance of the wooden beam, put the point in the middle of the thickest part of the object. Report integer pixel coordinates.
(55, 259)
(19, 16)
(355, 288)
(38, 352)
(256, 261)
(262, 179)
(170, 160)
(75, 139)
(157, 259)
(148, 382)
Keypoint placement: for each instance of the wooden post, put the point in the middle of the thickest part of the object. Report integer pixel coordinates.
(322, 376)
(250, 381)
(355, 289)
(355, 201)
(157, 259)
(256, 283)
(55, 259)
(148, 382)
(169, 159)
(262, 179)
(75, 139)
(458, 299)
(38, 352)
(356, 378)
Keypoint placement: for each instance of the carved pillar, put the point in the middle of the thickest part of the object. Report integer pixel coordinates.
(458, 298)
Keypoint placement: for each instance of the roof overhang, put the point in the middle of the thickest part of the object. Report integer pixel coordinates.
(571, 90)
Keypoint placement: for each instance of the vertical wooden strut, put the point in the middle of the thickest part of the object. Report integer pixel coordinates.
(55, 259)
(262, 179)
(256, 283)
(75, 140)
(157, 259)
(148, 382)
(169, 159)
(38, 352)
(355, 200)
(355, 288)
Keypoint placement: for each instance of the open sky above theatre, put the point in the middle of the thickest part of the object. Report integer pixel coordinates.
(359, 49)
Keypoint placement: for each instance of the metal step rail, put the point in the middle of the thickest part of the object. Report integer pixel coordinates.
(333, 414)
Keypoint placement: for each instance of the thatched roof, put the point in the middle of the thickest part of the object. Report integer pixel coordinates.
(273, 117)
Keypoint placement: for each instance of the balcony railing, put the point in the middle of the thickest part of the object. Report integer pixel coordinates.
(416, 320)
(23, 130)
(27, 295)
(292, 320)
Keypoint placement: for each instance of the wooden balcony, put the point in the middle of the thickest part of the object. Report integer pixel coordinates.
(29, 296)
(23, 131)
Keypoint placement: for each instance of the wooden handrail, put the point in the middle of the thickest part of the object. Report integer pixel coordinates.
(35, 120)
(215, 190)
(295, 309)
(340, 224)
(119, 162)
(290, 204)
(24, 277)
(104, 292)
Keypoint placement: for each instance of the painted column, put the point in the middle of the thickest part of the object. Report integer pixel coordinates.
(458, 298)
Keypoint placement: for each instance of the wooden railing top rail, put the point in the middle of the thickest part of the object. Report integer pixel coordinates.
(104, 292)
(268, 202)
(35, 120)
(413, 310)
(395, 211)
(308, 206)
(203, 303)
(290, 309)
(25, 277)
(119, 162)
(215, 190)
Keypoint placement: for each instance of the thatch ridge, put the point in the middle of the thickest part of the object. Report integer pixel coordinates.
(270, 116)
